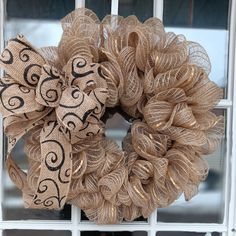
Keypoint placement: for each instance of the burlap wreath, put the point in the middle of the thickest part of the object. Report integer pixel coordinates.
(56, 98)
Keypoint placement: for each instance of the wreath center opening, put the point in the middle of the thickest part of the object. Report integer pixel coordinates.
(116, 128)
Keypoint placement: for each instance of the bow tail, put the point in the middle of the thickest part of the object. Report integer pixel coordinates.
(55, 170)
(16, 127)
(54, 178)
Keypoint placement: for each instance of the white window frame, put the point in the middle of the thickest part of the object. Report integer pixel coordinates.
(227, 228)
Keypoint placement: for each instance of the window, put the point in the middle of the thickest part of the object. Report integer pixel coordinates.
(213, 211)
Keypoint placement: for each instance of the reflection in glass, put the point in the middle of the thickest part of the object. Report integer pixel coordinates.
(124, 233)
(101, 7)
(208, 205)
(39, 9)
(116, 128)
(37, 20)
(38, 33)
(35, 233)
(196, 13)
(142, 9)
(216, 49)
(205, 22)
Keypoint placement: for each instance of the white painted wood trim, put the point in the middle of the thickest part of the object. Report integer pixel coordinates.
(224, 103)
(231, 55)
(158, 8)
(87, 226)
(79, 3)
(114, 7)
(152, 226)
(232, 94)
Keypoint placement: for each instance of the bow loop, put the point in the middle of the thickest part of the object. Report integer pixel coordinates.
(22, 62)
(82, 72)
(49, 88)
(16, 99)
(99, 95)
(74, 108)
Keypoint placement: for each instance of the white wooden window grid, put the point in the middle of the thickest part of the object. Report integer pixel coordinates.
(76, 226)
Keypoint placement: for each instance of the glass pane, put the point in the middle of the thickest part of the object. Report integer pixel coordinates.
(116, 128)
(205, 22)
(179, 234)
(84, 218)
(37, 20)
(39, 9)
(186, 234)
(35, 233)
(101, 7)
(208, 205)
(142, 9)
(124, 233)
(196, 13)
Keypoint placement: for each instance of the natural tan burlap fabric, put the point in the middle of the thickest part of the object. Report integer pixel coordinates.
(55, 97)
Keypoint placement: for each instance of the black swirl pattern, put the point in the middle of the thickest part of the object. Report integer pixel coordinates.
(80, 64)
(24, 89)
(13, 103)
(75, 97)
(52, 94)
(54, 161)
(99, 109)
(6, 57)
(76, 93)
(46, 185)
(31, 79)
(66, 174)
(100, 73)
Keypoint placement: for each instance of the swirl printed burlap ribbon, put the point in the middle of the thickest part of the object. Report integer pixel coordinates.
(73, 106)
(56, 98)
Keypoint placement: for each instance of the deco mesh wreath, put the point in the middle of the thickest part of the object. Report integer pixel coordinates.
(56, 98)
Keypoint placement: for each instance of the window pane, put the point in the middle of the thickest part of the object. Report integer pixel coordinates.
(116, 128)
(101, 7)
(208, 205)
(38, 33)
(205, 22)
(179, 234)
(39, 9)
(37, 20)
(35, 233)
(187, 234)
(142, 9)
(196, 13)
(124, 233)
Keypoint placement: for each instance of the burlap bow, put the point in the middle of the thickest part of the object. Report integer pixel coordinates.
(68, 103)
